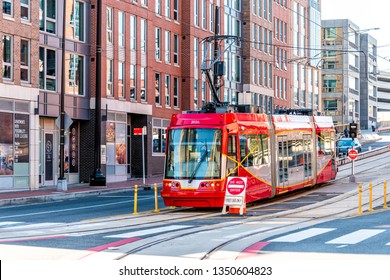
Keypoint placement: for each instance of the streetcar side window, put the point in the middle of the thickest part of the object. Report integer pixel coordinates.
(254, 150)
(326, 143)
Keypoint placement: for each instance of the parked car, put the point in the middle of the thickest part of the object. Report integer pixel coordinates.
(344, 145)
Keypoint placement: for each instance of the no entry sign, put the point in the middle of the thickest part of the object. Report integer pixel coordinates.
(235, 186)
(353, 154)
(235, 193)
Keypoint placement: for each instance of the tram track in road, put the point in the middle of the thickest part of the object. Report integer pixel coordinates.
(299, 208)
(299, 218)
(27, 231)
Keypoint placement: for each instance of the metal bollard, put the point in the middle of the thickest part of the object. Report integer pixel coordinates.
(155, 199)
(360, 199)
(135, 199)
(385, 195)
(370, 197)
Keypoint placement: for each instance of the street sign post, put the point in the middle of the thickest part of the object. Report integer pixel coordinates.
(352, 154)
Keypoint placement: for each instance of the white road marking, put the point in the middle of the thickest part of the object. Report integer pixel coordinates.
(301, 235)
(356, 236)
(2, 224)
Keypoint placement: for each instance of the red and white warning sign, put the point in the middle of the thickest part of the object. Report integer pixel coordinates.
(235, 193)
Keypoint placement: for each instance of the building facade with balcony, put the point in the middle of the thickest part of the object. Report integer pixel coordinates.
(383, 117)
(348, 60)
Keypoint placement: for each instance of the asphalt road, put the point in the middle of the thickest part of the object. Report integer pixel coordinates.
(365, 234)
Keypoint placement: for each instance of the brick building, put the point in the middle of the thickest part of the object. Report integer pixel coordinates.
(152, 52)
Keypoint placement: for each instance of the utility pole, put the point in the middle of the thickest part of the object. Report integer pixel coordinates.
(98, 178)
(61, 182)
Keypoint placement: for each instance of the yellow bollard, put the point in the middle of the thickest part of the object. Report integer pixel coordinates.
(360, 199)
(385, 195)
(155, 199)
(370, 197)
(135, 199)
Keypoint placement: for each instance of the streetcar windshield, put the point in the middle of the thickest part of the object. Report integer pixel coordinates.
(193, 154)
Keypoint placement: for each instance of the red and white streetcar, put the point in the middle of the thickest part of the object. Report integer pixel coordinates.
(276, 153)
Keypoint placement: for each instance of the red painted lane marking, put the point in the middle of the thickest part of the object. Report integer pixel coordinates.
(32, 239)
(252, 250)
(113, 244)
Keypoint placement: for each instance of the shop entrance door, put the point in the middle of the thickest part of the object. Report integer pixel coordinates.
(49, 159)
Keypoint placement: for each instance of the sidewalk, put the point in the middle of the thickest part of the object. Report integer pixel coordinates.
(51, 193)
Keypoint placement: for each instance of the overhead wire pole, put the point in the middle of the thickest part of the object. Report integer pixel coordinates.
(216, 51)
(98, 178)
(61, 182)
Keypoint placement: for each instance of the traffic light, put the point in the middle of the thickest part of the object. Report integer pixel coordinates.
(353, 130)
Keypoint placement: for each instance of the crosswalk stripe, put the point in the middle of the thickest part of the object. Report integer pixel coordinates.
(301, 235)
(356, 236)
(2, 224)
(146, 232)
(32, 226)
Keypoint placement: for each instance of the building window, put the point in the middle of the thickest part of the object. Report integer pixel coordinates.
(47, 69)
(211, 27)
(47, 19)
(75, 21)
(143, 84)
(109, 66)
(109, 25)
(121, 79)
(204, 92)
(144, 2)
(158, 7)
(121, 29)
(25, 9)
(204, 14)
(159, 135)
(7, 57)
(158, 44)
(158, 88)
(168, 9)
(168, 46)
(330, 104)
(176, 92)
(329, 83)
(14, 145)
(196, 52)
(25, 60)
(167, 90)
(195, 94)
(176, 49)
(76, 74)
(133, 94)
(196, 12)
(236, 69)
(8, 8)
(133, 32)
(176, 10)
(143, 35)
